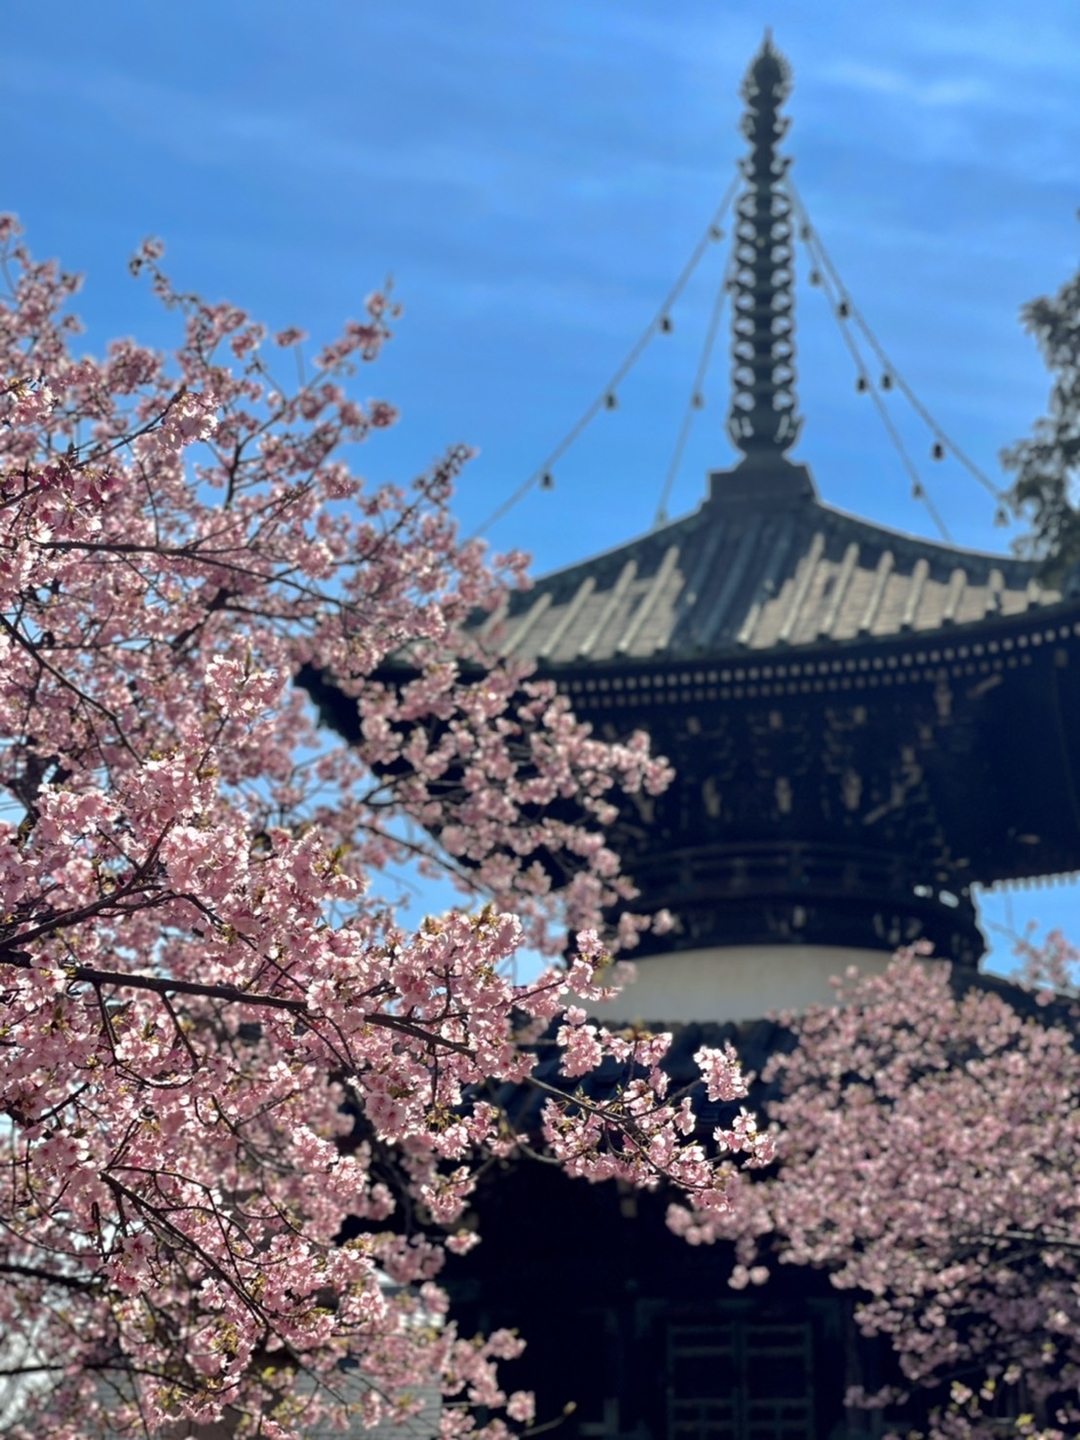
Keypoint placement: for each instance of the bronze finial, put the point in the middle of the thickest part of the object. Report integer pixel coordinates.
(762, 417)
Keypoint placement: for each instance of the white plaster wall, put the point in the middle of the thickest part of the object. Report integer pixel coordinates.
(738, 982)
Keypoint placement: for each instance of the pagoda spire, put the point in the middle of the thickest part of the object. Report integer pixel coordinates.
(762, 420)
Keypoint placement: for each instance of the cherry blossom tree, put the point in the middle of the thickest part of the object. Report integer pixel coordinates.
(240, 1100)
(929, 1157)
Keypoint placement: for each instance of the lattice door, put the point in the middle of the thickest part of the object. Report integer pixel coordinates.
(740, 1380)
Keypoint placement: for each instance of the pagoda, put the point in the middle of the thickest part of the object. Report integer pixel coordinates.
(863, 725)
(845, 706)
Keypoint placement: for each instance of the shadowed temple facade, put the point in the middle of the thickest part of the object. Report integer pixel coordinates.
(863, 726)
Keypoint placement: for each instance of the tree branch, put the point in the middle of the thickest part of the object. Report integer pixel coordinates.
(166, 986)
(32, 1272)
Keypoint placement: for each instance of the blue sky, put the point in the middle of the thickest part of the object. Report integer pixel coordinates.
(534, 178)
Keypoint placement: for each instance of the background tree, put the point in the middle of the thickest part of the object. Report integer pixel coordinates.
(929, 1157)
(198, 965)
(1046, 490)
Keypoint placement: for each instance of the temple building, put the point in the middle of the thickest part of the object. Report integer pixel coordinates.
(843, 704)
(864, 725)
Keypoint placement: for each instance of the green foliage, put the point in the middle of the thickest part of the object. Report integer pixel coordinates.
(1046, 491)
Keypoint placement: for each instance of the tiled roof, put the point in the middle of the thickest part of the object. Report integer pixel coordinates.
(759, 567)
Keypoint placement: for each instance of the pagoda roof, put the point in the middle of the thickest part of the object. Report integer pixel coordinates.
(762, 565)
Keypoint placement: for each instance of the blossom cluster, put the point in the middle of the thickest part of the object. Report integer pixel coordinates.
(929, 1157)
(241, 1101)
(646, 1135)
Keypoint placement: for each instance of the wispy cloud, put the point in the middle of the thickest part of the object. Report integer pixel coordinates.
(908, 88)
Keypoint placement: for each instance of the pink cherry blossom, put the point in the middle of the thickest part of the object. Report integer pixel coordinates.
(244, 1106)
(929, 1157)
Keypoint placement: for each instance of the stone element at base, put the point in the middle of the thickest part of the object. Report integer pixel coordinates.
(738, 982)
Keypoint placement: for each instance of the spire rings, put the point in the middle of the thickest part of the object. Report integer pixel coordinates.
(762, 415)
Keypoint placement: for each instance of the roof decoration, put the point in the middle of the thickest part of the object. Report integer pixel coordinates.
(763, 564)
(759, 276)
(762, 416)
